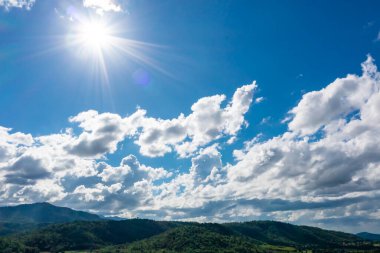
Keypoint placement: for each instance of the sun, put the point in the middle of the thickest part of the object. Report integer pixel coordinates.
(102, 43)
(94, 35)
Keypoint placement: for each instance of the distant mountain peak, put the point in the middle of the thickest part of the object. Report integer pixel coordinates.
(369, 236)
(43, 212)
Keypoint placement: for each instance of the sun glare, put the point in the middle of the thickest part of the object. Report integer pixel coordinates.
(100, 42)
(94, 35)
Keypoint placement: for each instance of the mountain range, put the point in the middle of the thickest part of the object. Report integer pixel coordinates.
(369, 236)
(45, 227)
(43, 213)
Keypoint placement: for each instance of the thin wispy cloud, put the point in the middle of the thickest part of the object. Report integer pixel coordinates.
(100, 6)
(378, 37)
(8, 4)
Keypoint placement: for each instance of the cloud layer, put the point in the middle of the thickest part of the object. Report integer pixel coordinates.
(323, 170)
(100, 6)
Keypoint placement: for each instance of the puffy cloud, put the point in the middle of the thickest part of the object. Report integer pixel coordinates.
(26, 170)
(11, 144)
(335, 164)
(128, 186)
(208, 121)
(102, 6)
(131, 171)
(97, 193)
(345, 95)
(324, 169)
(101, 134)
(27, 4)
(156, 137)
(206, 167)
(73, 154)
(40, 191)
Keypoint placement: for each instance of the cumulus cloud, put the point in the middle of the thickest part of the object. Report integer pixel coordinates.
(129, 185)
(131, 171)
(345, 95)
(102, 6)
(208, 121)
(12, 143)
(101, 134)
(26, 170)
(73, 154)
(207, 166)
(338, 163)
(324, 169)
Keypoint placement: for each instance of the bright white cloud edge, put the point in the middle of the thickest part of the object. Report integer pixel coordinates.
(323, 171)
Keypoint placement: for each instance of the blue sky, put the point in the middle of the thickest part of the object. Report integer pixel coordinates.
(200, 110)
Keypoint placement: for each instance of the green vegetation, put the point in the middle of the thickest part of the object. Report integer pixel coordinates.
(13, 246)
(141, 235)
(189, 239)
(43, 213)
(209, 238)
(12, 228)
(82, 235)
(369, 236)
(279, 233)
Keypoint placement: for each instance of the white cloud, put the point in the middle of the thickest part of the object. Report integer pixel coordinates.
(101, 134)
(131, 171)
(259, 100)
(345, 95)
(8, 4)
(265, 120)
(129, 185)
(334, 175)
(324, 169)
(102, 6)
(12, 144)
(208, 121)
(206, 167)
(26, 170)
(378, 37)
(69, 159)
(336, 163)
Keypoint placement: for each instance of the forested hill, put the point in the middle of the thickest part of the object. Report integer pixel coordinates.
(154, 236)
(42, 213)
(369, 236)
(45, 227)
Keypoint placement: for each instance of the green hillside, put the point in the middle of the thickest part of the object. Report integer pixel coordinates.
(141, 235)
(190, 239)
(7, 228)
(369, 236)
(92, 234)
(42, 213)
(279, 233)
